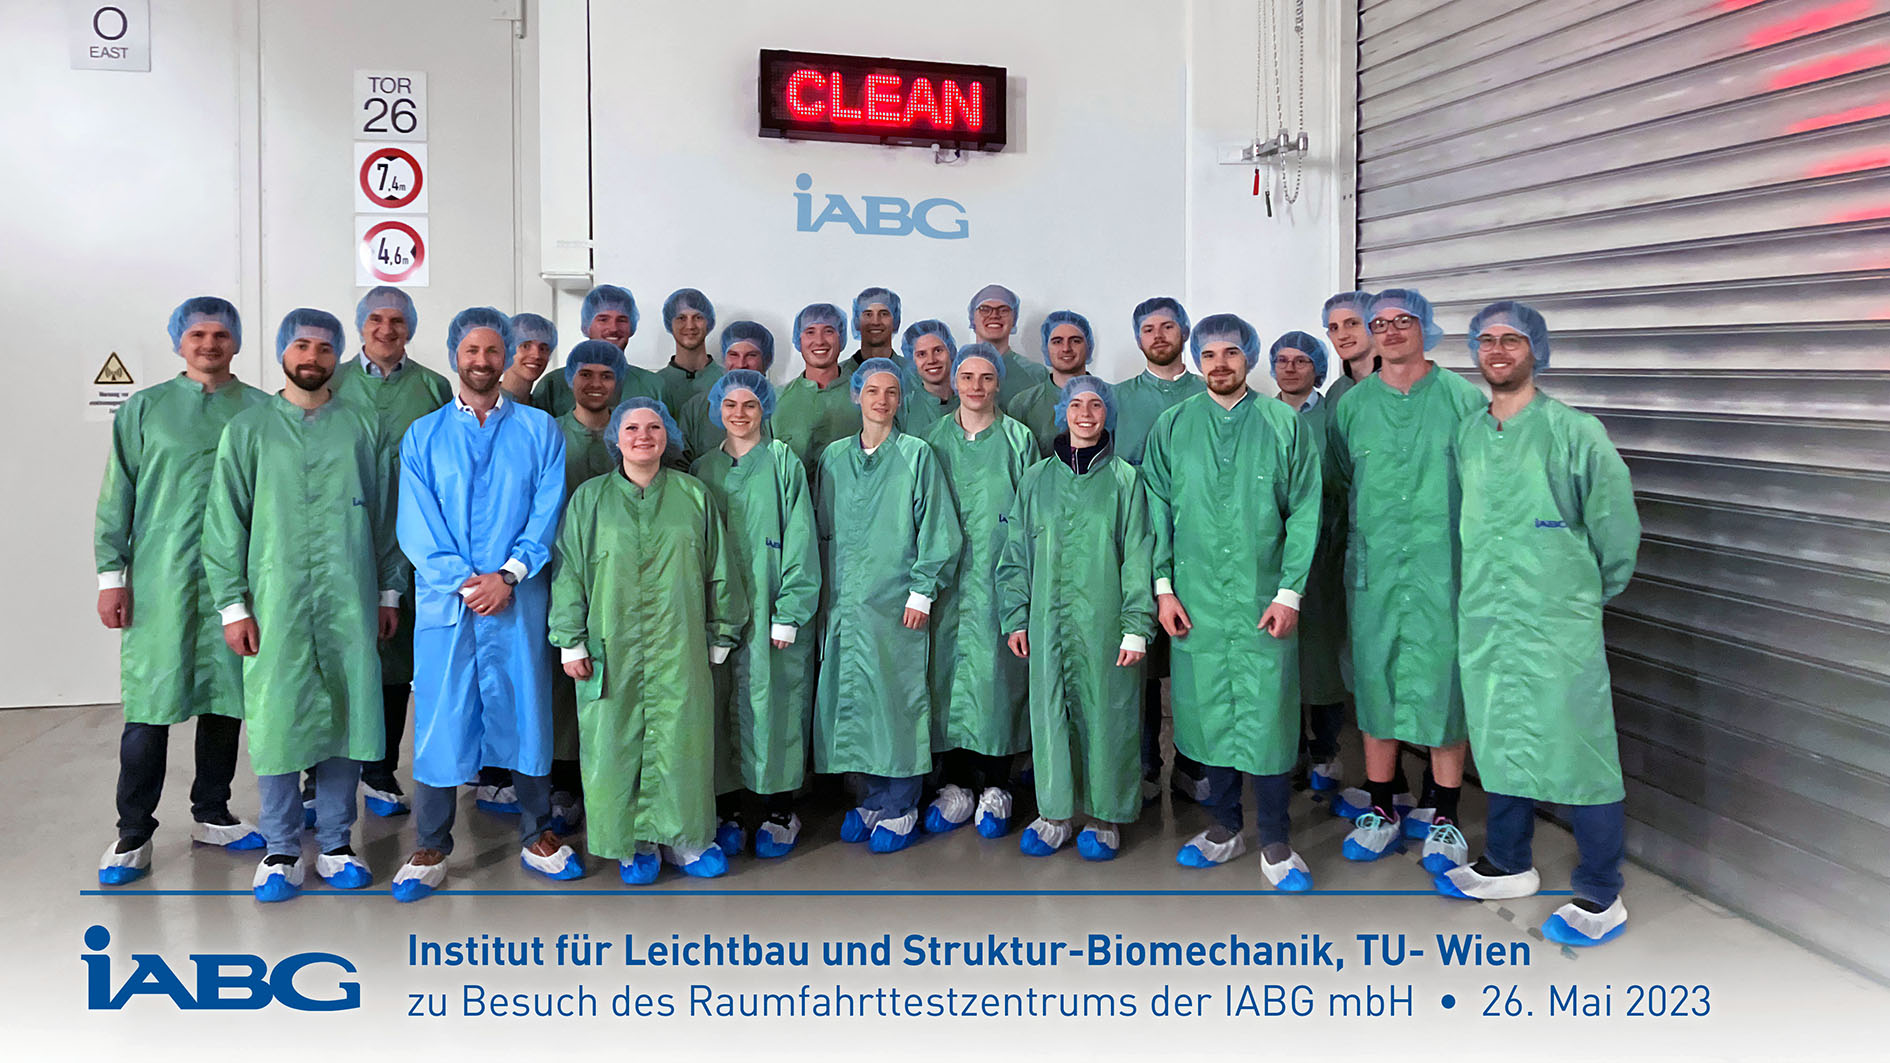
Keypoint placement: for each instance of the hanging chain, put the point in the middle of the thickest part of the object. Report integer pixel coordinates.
(1269, 108)
(1291, 193)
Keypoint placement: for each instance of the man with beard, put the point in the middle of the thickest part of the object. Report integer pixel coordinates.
(1549, 535)
(299, 554)
(994, 311)
(1234, 491)
(1161, 333)
(481, 489)
(148, 544)
(1068, 345)
(815, 408)
(608, 313)
(1347, 332)
(928, 395)
(876, 322)
(688, 317)
(398, 390)
(537, 343)
(745, 345)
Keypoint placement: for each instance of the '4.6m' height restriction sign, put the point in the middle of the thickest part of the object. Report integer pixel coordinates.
(390, 251)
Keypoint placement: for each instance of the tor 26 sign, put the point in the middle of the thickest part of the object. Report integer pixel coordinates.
(816, 96)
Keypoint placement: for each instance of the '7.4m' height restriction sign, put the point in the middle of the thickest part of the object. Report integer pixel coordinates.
(390, 177)
(390, 251)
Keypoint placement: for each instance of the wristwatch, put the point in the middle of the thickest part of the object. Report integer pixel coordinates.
(510, 578)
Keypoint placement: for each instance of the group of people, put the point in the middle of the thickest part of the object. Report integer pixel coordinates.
(907, 567)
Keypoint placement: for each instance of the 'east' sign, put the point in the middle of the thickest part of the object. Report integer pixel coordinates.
(816, 96)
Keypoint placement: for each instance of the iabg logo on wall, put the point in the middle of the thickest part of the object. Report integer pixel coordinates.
(940, 219)
(223, 982)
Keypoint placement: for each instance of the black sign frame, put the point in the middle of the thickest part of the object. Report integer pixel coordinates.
(775, 119)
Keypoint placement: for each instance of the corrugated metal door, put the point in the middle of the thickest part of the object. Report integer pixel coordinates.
(1696, 193)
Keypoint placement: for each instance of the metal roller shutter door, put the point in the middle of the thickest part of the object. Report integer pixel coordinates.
(1697, 195)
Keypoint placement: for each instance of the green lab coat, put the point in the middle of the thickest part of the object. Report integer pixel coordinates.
(299, 524)
(1322, 612)
(808, 417)
(646, 583)
(1020, 373)
(413, 392)
(554, 395)
(887, 530)
(1075, 576)
(173, 664)
(1549, 535)
(979, 687)
(1142, 398)
(680, 386)
(919, 409)
(1036, 407)
(764, 695)
(1234, 501)
(585, 456)
(1395, 474)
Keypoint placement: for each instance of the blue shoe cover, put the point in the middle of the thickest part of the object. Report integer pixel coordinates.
(1356, 852)
(276, 888)
(308, 816)
(119, 876)
(768, 849)
(1296, 881)
(936, 823)
(1437, 864)
(411, 890)
(1030, 845)
(252, 840)
(352, 877)
(993, 826)
(641, 870)
(853, 828)
(1558, 931)
(1324, 784)
(1090, 847)
(385, 809)
(1447, 888)
(573, 868)
(890, 841)
(1191, 856)
(730, 838)
(506, 808)
(713, 863)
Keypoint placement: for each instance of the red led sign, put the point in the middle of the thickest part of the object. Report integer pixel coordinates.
(816, 96)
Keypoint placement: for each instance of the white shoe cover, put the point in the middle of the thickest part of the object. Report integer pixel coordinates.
(1445, 842)
(954, 803)
(1218, 852)
(995, 802)
(552, 865)
(1276, 873)
(216, 834)
(683, 855)
(329, 866)
(1108, 836)
(496, 795)
(1494, 887)
(139, 858)
(1332, 771)
(1595, 926)
(1054, 836)
(901, 825)
(1195, 790)
(432, 876)
(782, 833)
(291, 873)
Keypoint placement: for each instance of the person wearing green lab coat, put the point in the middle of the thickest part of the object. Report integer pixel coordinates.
(689, 318)
(1298, 362)
(300, 558)
(399, 390)
(814, 409)
(1234, 497)
(1549, 535)
(647, 594)
(1161, 334)
(1074, 579)
(745, 345)
(876, 322)
(993, 314)
(889, 539)
(1068, 346)
(764, 692)
(1393, 435)
(608, 313)
(980, 710)
(928, 396)
(1346, 315)
(173, 665)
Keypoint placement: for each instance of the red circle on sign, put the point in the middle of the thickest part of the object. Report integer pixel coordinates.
(419, 251)
(391, 153)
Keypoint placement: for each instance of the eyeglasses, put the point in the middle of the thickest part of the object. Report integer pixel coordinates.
(1403, 323)
(1301, 362)
(993, 311)
(1510, 342)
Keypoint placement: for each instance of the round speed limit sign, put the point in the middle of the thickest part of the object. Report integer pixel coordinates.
(391, 251)
(390, 177)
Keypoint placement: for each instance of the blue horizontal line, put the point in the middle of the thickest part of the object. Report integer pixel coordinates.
(631, 892)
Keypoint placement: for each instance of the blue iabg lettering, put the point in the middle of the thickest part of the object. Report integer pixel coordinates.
(883, 215)
(224, 981)
(1551, 524)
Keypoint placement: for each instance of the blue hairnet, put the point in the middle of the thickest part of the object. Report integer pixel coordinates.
(1306, 343)
(866, 372)
(819, 314)
(595, 352)
(867, 298)
(1068, 317)
(318, 324)
(1523, 318)
(1225, 328)
(1001, 294)
(535, 328)
(198, 307)
(1411, 302)
(741, 380)
(686, 299)
(752, 332)
(1079, 385)
(608, 297)
(478, 317)
(1358, 302)
(1161, 304)
(977, 350)
(931, 326)
(386, 297)
(640, 402)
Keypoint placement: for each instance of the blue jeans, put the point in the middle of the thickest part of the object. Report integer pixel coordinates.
(336, 780)
(893, 795)
(1598, 829)
(1273, 795)
(436, 807)
(1326, 721)
(142, 757)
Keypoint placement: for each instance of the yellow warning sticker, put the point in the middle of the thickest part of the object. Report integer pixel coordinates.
(113, 372)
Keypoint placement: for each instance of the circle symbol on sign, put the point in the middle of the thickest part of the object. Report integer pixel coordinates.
(391, 177)
(124, 24)
(392, 251)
